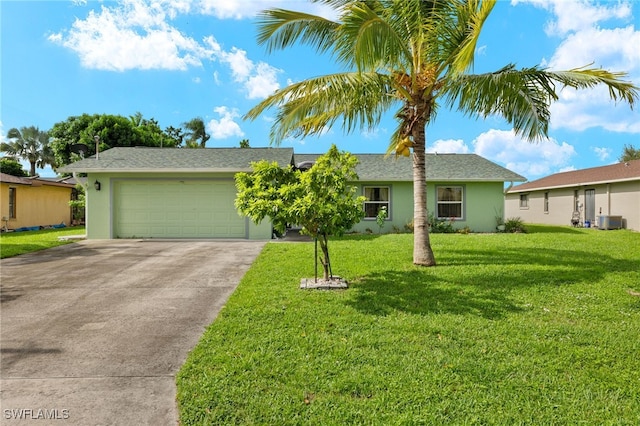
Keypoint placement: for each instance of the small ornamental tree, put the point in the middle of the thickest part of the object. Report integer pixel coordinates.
(319, 200)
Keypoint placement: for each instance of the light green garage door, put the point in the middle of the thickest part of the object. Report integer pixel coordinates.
(176, 209)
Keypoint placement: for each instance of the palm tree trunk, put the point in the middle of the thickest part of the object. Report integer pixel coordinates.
(32, 169)
(422, 252)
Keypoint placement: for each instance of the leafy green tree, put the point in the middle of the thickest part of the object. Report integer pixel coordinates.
(244, 143)
(31, 144)
(411, 57)
(320, 200)
(196, 133)
(176, 134)
(67, 133)
(78, 203)
(111, 131)
(629, 153)
(11, 166)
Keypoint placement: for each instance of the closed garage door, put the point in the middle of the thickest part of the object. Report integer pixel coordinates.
(177, 209)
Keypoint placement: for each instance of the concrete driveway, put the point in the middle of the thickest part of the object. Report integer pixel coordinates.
(93, 333)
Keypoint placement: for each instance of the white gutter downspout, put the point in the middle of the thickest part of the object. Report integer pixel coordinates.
(508, 188)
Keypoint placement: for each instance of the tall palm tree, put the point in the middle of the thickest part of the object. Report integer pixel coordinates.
(31, 144)
(196, 133)
(413, 56)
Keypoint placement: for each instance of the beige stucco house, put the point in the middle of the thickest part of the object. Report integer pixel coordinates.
(31, 202)
(606, 197)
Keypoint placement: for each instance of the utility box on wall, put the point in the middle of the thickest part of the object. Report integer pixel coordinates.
(610, 222)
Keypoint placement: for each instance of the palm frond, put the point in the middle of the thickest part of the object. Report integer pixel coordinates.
(311, 106)
(366, 40)
(470, 20)
(279, 29)
(523, 97)
(586, 78)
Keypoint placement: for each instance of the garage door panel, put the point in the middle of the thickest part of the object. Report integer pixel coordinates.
(175, 209)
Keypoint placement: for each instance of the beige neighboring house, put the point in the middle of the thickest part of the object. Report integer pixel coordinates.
(33, 202)
(607, 197)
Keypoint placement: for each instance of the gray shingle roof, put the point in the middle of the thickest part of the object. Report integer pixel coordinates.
(144, 159)
(372, 167)
(439, 167)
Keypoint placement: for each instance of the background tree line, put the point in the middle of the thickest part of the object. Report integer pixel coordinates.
(58, 146)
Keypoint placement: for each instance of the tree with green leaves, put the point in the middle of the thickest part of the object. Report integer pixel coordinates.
(11, 166)
(111, 131)
(176, 134)
(629, 153)
(196, 133)
(411, 57)
(321, 200)
(31, 144)
(244, 143)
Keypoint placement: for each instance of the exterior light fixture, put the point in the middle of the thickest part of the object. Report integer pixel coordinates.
(97, 185)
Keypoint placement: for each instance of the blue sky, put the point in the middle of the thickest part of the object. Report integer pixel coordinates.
(173, 60)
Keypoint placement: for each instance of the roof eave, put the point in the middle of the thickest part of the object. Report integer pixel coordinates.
(573, 185)
(159, 170)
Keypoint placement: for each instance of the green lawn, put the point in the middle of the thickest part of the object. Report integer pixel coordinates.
(15, 243)
(540, 328)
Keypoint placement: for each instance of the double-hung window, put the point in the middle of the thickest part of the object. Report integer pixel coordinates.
(377, 197)
(524, 201)
(450, 202)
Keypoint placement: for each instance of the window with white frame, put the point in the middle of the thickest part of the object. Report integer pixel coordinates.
(450, 202)
(377, 197)
(524, 201)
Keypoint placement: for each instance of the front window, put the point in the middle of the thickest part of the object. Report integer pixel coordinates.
(524, 201)
(377, 198)
(449, 204)
(12, 203)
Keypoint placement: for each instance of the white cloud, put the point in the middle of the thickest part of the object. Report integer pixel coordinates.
(592, 39)
(240, 9)
(448, 146)
(137, 34)
(602, 152)
(531, 160)
(263, 82)
(132, 35)
(225, 127)
(615, 48)
(259, 80)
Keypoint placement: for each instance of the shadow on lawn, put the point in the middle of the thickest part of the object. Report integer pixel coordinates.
(477, 283)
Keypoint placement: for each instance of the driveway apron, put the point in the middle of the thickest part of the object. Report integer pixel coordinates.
(93, 333)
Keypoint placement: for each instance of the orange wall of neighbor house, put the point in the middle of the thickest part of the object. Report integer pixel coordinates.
(37, 205)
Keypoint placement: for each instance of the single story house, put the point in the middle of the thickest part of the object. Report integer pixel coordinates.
(146, 192)
(590, 196)
(33, 201)
(464, 188)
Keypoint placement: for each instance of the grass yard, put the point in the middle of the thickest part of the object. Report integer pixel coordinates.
(15, 243)
(537, 328)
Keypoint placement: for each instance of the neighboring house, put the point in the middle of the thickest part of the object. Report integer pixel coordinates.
(190, 193)
(32, 202)
(593, 194)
